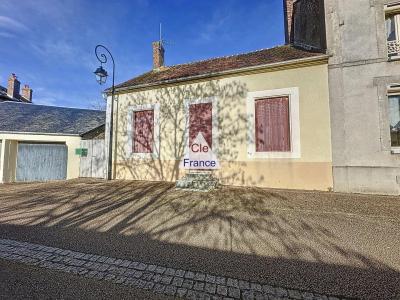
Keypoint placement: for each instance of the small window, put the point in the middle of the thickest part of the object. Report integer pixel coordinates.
(272, 125)
(143, 131)
(393, 34)
(394, 117)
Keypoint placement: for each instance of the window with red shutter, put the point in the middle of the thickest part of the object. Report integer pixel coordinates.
(272, 125)
(200, 120)
(143, 128)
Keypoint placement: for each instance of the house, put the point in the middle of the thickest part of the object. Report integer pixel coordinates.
(39, 143)
(362, 39)
(12, 92)
(264, 114)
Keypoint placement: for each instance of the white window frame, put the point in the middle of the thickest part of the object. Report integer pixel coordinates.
(156, 131)
(294, 120)
(393, 9)
(214, 114)
(392, 92)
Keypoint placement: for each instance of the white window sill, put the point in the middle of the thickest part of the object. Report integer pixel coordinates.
(395, 151)
(143, 156)
(273, 155)
(394, 58)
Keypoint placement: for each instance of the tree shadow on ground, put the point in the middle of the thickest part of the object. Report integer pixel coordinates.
(324, 242)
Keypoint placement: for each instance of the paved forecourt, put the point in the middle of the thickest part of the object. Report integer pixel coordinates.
(162, 280)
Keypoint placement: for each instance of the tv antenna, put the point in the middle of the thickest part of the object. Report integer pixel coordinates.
(161, 40)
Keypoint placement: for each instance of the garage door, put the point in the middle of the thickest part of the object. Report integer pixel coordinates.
(94, 163)
(41, 162)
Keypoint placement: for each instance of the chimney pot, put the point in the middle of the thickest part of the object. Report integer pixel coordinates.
(158, 55)
(13, 86)
(27, 93)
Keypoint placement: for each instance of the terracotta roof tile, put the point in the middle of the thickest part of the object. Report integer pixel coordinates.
(210, 66)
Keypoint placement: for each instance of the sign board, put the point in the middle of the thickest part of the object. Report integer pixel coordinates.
(199, 156)
(81, 152)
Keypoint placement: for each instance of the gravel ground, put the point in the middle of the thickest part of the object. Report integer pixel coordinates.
(322, 242)
(18, 281)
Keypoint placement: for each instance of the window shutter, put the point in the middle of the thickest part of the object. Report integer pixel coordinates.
(200, 120)
(143, 128)
(272, 125)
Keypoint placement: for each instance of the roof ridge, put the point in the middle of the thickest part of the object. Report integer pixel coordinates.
(227, 56)
(214, 65)
(52, 106)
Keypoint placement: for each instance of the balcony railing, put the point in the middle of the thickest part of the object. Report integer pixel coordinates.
(393, 48)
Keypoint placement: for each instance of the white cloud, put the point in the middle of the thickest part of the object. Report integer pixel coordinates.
(7, 35)
(55, 48)
(62, 50)
(11, 24)
(214, 27)
(44, 96)
(45, 101)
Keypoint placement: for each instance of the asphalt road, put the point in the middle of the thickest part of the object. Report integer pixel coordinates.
(326, 243)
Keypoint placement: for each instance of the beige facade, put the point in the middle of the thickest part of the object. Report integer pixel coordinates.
(9, 144)
(308, 167)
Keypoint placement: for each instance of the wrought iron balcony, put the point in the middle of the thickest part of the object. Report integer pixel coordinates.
(393, 48)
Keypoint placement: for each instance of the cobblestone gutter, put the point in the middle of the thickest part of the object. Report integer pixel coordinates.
(162, 280)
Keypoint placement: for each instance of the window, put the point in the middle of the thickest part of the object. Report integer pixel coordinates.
(273, 129)
(272, 124)
(393, 31)
(200, 120)
(143, 129)
(202, 116)
(394, 117)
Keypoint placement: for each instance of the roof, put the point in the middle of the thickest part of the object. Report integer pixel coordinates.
(4, 96)
(32, 118)
(215, 65)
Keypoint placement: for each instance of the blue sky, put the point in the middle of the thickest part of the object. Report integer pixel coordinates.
(50, 44)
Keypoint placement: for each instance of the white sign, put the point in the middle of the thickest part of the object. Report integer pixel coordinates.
(199, 156)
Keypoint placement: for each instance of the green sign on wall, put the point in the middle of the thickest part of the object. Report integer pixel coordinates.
(81, 152)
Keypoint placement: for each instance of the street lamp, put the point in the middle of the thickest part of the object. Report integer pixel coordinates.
(101, 78)
(101, 75)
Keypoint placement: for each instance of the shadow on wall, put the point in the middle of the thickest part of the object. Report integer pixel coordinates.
(249, 233)
(231, 139)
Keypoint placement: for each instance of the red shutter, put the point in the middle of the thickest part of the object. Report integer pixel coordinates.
(272, 125)
(200, 120)
(143, 126)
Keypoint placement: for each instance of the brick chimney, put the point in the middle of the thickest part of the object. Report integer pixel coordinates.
(288, 15)
(26, 94)
(158, 55)
(13, 86)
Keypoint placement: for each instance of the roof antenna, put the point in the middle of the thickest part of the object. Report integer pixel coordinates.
(161, 40)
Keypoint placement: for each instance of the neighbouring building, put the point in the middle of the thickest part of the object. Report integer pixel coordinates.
(362, 39)
(265, 114)
(39, 143)
(13, 92)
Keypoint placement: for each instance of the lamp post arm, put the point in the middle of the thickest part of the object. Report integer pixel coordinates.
(102, 58)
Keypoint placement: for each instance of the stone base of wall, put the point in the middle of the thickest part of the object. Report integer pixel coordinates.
(267, 174)
(198, 182)
(368, 180)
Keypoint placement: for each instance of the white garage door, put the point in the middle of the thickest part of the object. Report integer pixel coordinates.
(41, 162)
